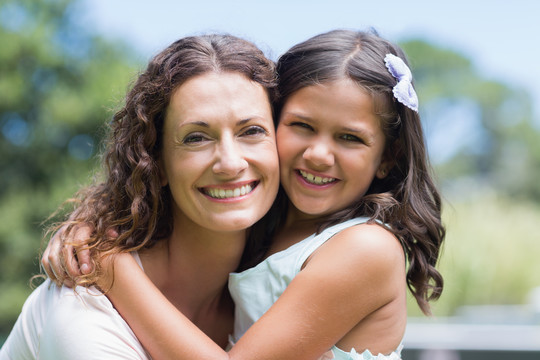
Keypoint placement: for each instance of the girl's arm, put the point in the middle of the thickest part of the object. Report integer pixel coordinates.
(163, 330)
(348, 278)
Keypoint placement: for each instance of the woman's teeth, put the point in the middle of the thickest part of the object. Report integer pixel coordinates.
(228, 193)
(317, 180)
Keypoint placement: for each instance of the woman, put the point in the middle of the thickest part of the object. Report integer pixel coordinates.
(190, 164)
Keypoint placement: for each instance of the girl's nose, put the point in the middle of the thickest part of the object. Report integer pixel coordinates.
(319, 153)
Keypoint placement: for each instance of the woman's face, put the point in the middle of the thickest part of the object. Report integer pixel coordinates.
(219, 152)
(330, 146)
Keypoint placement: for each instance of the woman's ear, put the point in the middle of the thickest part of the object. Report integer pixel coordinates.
(162, 175)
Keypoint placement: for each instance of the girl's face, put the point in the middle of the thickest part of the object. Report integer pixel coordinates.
(219, 152)
(330, 146)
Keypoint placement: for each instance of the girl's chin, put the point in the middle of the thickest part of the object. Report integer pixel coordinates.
(309, 210)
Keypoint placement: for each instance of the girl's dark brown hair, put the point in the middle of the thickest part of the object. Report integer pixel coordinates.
(406, 200)
(131, 200)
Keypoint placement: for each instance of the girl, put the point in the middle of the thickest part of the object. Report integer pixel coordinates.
(360, 204)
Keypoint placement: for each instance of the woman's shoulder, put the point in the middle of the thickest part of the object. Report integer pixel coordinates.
(83, 323)
(63, 323)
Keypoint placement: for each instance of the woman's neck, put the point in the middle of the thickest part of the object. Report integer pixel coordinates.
(191, 268)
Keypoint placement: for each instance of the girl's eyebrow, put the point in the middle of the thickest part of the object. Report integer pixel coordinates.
(296, 115)
(357, 130)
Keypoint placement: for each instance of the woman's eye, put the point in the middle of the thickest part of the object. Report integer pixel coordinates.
(194, 139)
(254, 131)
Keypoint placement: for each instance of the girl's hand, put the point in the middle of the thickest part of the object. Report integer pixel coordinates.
(59, 259)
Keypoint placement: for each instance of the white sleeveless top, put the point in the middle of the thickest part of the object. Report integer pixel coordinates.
(256, 289)
(57, 323)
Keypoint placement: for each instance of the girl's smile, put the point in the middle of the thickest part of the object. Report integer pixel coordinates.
(311, 178)
(330, 146)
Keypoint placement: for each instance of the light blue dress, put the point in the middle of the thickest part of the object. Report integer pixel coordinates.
(255, 290)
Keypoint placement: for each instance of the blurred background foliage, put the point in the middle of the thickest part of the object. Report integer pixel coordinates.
(60, 84)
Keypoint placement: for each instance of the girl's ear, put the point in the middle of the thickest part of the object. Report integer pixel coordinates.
(384, 169)
(390, 157)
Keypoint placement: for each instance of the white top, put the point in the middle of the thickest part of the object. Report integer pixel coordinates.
(59, 323)
(256, 289)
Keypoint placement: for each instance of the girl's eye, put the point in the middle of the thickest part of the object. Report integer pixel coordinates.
(350, 137)
(254, 131)
(193, 139)
(302, 125)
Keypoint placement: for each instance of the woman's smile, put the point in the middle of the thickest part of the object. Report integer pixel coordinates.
(219, 157)
(229, 191)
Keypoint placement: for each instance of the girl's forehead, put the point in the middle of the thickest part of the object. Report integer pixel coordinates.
(343, 93)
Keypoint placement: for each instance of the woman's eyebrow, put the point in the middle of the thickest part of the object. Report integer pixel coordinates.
(249, 119)
(195, 123)
(245, 121)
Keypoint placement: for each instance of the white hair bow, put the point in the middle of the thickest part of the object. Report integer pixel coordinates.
(403, 91)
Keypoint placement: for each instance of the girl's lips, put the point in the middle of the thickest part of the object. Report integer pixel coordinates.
(315, 179)
(229, 191)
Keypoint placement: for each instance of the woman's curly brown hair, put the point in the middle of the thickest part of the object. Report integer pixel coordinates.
(131, 201)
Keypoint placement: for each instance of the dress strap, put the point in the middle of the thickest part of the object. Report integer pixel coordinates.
(313, 242)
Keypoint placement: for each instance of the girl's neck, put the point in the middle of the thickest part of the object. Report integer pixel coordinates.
(296, 228)
(296, 218)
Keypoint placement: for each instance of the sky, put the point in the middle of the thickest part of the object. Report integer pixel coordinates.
(502, 38)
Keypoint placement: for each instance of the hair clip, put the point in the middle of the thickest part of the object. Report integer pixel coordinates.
(403, 91)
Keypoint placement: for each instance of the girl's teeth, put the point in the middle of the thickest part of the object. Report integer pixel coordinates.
(317, 180)
(229, 193)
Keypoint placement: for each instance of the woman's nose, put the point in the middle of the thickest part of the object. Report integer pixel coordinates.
(230, 160)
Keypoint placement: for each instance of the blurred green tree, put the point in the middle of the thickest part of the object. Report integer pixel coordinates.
(485, 144)
(58, 84)
(483, 128)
